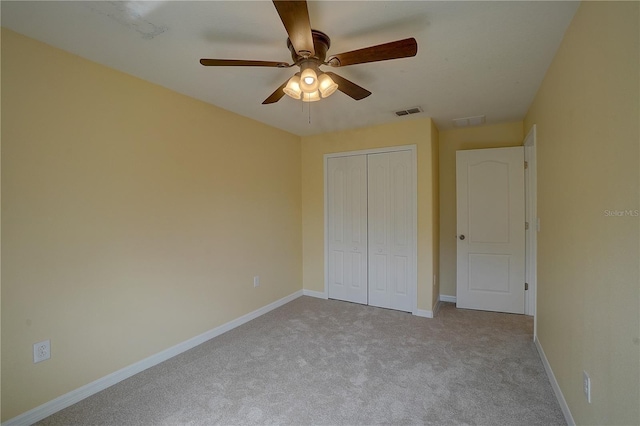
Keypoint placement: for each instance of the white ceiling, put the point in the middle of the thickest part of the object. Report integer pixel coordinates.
(474, 58)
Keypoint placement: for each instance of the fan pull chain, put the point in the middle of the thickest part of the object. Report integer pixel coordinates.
(308, 105)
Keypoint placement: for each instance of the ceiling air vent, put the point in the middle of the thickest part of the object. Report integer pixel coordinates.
(413, 110)
(469, 121)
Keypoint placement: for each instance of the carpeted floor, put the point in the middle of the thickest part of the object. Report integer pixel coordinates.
(325, 362)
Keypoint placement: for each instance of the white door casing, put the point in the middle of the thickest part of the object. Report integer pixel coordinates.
(347, 228)
(531, 214)
(390, 259)
(490, 229)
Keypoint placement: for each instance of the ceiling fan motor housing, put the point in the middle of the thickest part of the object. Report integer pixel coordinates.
(321, 44)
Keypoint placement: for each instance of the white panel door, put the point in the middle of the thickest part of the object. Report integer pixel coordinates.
(347, 228)
(491, 233)
(391, 230)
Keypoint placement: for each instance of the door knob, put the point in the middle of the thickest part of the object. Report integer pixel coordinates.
(462, 237)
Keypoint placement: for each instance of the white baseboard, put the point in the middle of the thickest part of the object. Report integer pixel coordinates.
(423, 313)
(554, 384)
(312, 293)
(45, 410)
(445, 298)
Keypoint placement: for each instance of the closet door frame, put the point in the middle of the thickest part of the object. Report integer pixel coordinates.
(413, 208)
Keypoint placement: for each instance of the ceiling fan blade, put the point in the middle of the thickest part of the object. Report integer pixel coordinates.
(295, 18)
(349, 88)
(277, 95)
(382, 52)
(241, 63)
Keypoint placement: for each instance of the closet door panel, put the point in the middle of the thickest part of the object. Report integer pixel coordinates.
(390, 230)
(378, 204)
(347, 228)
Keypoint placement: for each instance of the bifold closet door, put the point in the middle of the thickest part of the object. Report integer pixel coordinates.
(347, 228)
(390, 230)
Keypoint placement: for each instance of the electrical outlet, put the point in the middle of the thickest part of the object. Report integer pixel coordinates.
(256, 281)
(586, 386)
(41, 351)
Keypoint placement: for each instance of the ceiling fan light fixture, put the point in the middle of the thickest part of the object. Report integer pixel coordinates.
(308, 78)
(326, 85)
(292, 88)
(311, 97)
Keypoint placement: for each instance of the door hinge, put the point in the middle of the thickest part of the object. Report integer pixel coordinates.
(526, 164)
(526, 286)
(526, 226)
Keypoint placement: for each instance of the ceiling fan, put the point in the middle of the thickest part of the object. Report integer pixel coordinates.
(309, 50)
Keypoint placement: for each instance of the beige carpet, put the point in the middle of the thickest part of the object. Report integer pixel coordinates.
(327, 362)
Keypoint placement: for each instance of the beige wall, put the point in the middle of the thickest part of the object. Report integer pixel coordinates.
(495, 136)
(435, 208)
(418, 132)
(587, 118)
(0, 234)
(133, 219)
